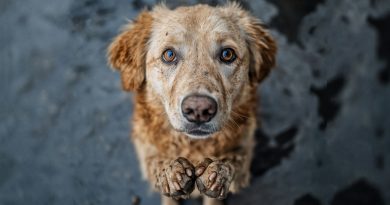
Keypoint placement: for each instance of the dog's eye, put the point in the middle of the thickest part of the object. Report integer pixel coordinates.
(227, 55)
(168, 56)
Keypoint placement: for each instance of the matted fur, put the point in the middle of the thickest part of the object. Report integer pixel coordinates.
(159, 133)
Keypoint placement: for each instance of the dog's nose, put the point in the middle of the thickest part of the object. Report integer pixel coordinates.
(199, 108)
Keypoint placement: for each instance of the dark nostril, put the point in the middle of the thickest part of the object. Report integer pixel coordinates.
(187, 111)
(199, 108)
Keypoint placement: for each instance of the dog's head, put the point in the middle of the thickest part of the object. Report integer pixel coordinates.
(197, 61)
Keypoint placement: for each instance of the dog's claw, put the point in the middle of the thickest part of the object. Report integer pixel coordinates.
(202, 166)
(178, 176)
(199, 171)
(177, 186)
(213, 176)
(166, 189)
(222, 194)
(189, 172)
(214, 187)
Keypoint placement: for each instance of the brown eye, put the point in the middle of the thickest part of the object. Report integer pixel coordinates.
(227, 55)
(168, 56)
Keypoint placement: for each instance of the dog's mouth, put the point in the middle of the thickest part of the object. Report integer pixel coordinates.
(199, 131)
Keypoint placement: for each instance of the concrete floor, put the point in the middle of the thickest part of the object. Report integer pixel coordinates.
(325, 134)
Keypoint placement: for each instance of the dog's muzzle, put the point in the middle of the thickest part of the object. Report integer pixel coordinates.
(198, 110)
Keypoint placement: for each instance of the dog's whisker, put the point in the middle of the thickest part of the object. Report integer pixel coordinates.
(239, 115)
(214, 128)
(232, 120)
(229, 124)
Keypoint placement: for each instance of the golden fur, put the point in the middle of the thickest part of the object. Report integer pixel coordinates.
(164, 149)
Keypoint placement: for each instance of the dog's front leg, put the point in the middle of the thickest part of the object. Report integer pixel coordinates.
(218, 176)
(173, 178)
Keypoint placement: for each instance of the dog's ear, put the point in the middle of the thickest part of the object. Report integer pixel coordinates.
(260, 44)
(262, 49)
(127, 52)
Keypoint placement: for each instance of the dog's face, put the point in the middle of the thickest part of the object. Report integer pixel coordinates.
(196, 61)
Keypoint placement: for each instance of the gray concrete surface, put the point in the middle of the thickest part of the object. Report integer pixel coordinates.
(325, 134)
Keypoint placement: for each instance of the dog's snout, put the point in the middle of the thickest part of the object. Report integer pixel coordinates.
(199, 108)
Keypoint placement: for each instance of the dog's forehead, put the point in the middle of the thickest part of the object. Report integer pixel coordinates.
(186, 22)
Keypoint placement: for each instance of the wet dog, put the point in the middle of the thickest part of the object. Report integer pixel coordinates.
(194, 72)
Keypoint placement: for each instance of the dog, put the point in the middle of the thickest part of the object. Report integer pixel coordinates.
(194, 72)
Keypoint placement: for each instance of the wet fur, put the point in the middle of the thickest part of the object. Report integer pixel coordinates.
(157, 143)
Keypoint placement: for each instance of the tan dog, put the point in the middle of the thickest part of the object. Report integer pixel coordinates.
(194, 71)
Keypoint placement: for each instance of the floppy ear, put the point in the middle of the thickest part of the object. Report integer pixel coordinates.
(262, 49)
(128, 51)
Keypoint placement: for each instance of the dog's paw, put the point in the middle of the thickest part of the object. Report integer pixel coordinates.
(178, 179)
(214, 178)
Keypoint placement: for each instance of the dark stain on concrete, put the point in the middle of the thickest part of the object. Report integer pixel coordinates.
(360, 192)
